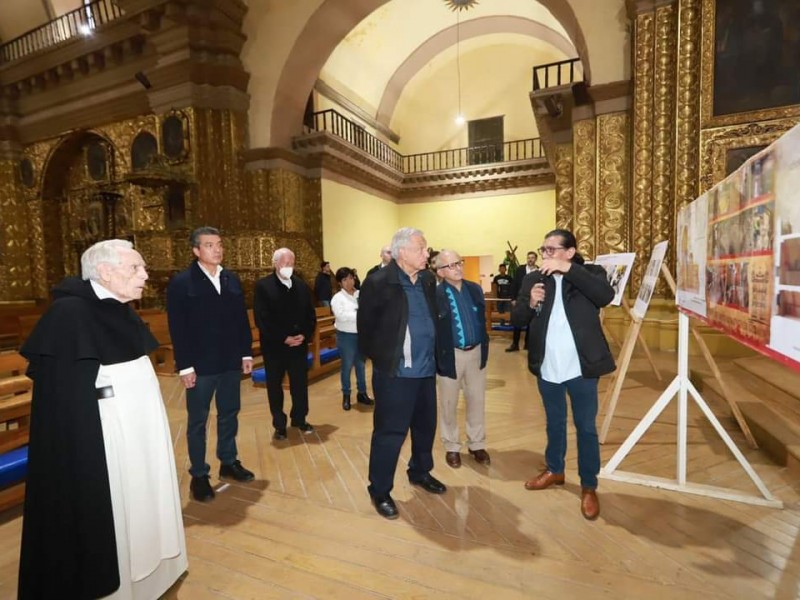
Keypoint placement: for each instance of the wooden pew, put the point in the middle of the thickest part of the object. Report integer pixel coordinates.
(10, 312)
(15, 411)
(324, 338)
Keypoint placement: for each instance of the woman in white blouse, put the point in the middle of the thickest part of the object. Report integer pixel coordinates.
(344, 305)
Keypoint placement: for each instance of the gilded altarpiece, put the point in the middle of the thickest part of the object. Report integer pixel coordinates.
(15, 265)
(256, 212)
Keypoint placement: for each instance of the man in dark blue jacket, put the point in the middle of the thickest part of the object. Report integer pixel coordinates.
(397, 329)
(213, 346)
(462, 353)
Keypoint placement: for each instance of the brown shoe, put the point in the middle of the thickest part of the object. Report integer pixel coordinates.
(590, 505)
(453, 459)
(481, 456)
(544, 480)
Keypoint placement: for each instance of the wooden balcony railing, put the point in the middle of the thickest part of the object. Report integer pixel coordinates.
(81, 21)
(342, 127)
(556, 74)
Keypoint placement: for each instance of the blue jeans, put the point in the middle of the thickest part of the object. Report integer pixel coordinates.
(347, 343)
(198, 404)
(583, 398)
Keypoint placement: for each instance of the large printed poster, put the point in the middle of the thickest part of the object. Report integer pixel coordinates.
(738, 257)
(618, 270)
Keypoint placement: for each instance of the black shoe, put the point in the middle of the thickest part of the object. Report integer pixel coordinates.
(346, 401)
(305, 427)
(201, 489)
(430, 484)
(512, 348)
(386, 507)
(235, 471)
(280, 434)
(363, 398)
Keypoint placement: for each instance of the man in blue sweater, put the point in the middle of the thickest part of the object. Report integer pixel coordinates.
(213, 347)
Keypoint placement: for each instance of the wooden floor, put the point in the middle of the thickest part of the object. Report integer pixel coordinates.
(305, 528)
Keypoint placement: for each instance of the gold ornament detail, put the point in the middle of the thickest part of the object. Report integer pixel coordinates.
(642, 144)
(585, 219)
(612, 193)
(564, 189)
(687, 105)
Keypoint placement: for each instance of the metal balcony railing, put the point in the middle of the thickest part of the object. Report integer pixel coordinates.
(81, 21)
(353, 133)
(555, 74)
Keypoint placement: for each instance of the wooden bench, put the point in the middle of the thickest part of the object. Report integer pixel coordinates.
(493, 316)
(322, 350)
(10, 313)
(15, 411)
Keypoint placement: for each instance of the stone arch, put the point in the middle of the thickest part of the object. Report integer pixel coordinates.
(445, 39)
(327, 27)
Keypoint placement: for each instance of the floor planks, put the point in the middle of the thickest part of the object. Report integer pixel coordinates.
(305, 528)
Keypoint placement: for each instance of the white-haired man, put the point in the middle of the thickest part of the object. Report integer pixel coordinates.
(463, 350)
(397, 324)
(386, 258)
(102, 508)
(286, 319)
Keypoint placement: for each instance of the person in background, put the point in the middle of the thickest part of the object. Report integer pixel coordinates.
(519, 275)
(397, 321)
(345, 308)
(323, 288)
(211, 337)
(503, 286)
(568, 353)
(286, 319)
(462, 351)
(102, 509)
(386, 258)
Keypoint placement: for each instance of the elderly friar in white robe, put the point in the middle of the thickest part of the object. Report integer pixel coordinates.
(102, 513)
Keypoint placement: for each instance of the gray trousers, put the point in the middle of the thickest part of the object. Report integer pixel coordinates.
(472, 379)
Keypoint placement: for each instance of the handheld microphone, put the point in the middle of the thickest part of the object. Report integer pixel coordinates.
(539, 278)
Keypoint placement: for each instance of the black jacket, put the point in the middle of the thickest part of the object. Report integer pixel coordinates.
(383, 316)
(585, 290)
(445, 345)
(323, 287)
(209, 330)
(280, 312)
(68, 539)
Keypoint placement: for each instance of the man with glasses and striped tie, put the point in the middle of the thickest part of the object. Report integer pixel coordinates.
(463, 349)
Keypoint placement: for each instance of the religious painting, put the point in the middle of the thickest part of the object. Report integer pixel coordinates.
(175, 136)
(751, 60)
(736, 157)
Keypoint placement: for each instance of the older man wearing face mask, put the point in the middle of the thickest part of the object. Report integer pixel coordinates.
(286, 319)
(102, 508)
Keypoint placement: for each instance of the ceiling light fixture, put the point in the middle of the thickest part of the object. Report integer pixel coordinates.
(459, 5)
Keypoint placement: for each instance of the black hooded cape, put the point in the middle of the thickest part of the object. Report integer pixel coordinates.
(68, 541)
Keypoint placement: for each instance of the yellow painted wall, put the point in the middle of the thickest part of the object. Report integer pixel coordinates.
(355, 226)
(481, 226)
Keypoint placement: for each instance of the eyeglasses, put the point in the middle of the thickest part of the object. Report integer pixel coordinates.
(453, 265)
(550, 250)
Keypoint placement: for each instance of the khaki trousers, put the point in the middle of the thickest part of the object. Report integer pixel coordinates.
(472, 379)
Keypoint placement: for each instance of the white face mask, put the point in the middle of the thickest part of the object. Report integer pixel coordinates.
(286, 272)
